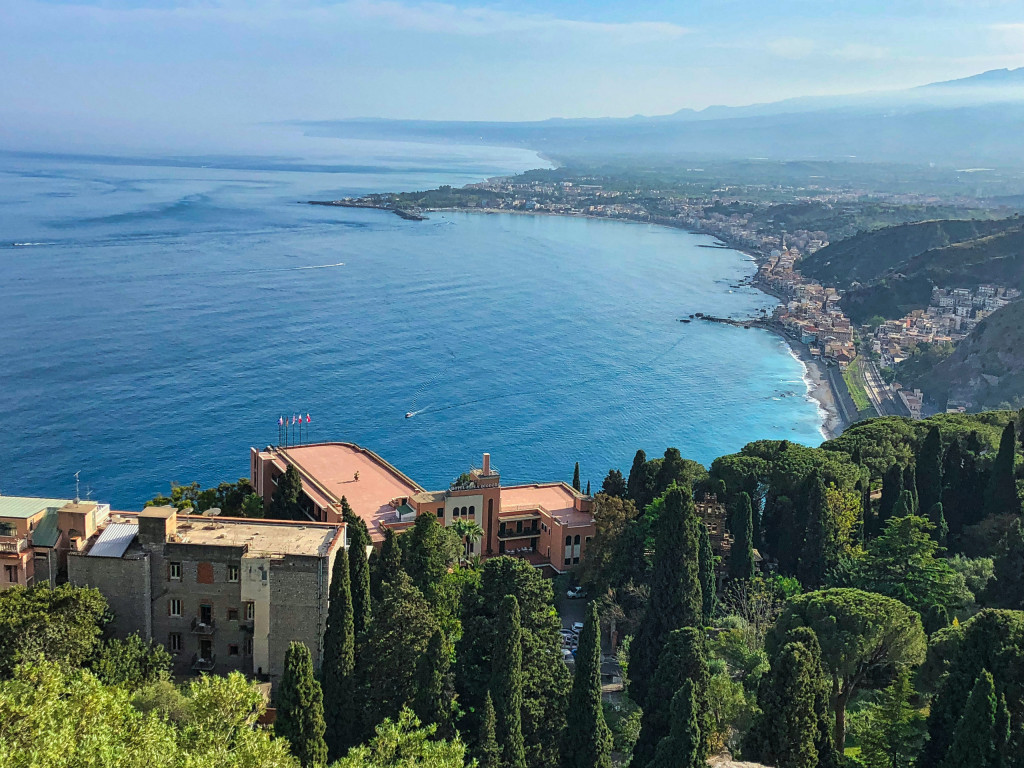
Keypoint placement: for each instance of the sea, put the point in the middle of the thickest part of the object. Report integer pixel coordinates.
(163, 314)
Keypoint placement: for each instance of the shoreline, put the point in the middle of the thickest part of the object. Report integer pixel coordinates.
(815, 376)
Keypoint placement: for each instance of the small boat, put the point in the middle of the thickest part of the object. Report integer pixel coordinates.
(408, 415)
(684, 320)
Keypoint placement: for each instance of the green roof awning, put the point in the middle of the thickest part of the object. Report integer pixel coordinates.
(47, 532)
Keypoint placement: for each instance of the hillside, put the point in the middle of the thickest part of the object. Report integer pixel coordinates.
(987, 368)
(891, 271)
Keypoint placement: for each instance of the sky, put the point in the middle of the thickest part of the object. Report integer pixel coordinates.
(87, 70)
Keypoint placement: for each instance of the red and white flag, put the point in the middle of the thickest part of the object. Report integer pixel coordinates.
(307, 418)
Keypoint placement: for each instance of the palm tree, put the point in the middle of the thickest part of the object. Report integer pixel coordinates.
(468, 530)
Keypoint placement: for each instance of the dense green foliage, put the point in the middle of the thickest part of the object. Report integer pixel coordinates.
(300, 708)
(285, 504)
(131, 663)
(339, 661)
(741, 558)
(507, 684)
(232, 499)
(403, 743)
(587, 740)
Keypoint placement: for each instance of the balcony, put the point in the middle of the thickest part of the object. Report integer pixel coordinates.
(203, 665)
(203, 627)
(526, 533)
(13, 545)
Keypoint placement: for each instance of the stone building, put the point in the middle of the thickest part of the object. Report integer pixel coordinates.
(221, 594)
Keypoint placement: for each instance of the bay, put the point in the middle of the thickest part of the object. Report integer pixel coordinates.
(160, 316)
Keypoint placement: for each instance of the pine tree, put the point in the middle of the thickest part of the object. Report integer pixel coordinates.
(681, 747)
(586, 739)
(910, 484)
(894, 734)
(635, 483)
(676, 598)
(706, 574)
(284, 504)
(576, 477)
(741, 557)
(1007, 588)
(434, 689)
(684, 658)
(507, 684)
(359, 577)
(300, 708)
(929, 471)
(1001, 494)
(339, 661)
(974, 739)
(488, 751)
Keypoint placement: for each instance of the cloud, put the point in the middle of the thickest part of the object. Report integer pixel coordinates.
(796, 48)
(791, 47)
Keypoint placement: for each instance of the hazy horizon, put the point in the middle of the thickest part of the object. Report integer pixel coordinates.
(164, 74)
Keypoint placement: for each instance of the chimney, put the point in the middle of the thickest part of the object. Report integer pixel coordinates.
(487, 464)
(156, 523)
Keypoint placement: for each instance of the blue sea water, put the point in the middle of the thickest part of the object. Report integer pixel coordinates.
(158, 317)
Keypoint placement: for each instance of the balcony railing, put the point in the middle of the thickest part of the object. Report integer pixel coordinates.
(14, 545)
(203, 627)
(203, 665)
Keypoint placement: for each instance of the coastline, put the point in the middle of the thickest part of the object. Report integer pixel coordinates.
(816, 377)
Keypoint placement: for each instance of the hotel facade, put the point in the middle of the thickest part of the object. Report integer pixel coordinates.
(547, 524)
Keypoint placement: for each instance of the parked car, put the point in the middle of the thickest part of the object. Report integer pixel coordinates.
(568, 655)
(577, 627)
(576, 593)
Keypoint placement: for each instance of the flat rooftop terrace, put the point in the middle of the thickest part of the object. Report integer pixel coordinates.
(556, 498)
(332, 468)
(273, 537)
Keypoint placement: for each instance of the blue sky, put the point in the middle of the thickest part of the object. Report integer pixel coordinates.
(191, 67)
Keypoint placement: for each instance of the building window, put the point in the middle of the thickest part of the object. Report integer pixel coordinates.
(174, 571)
(576, 550)
(472, 511)
(11, 573)
(232, 650)
(232, 614)
(8, 529)
(174, 608)
(250, 611)
(232, 573)
(440, 512)
(247, 646)
(174, 642)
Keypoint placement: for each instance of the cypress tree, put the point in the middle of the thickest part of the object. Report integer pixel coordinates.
(1001, 494)
(787, 731)
(821, 546)
(910, 484)
(684, 658)
(929, 471)
(614, 484)
(741, 557)
(434, 689)
(352, 520)
(635, 483)
(671, 470)
(300, 708)
(706, 574)
(1007, 588)
(1002, 735)
(586, 739)
(974, 738)
(863, 487)
(339, 661)
(507, 683)
(892, 487)
(359, 577)
(588, 487)
(387, 566)
(935, 618)
(488, 751)
(893, 737)
(904, 506)
(952, 487)
(576, 477)
(676, 598)
(681, 747)
(937, 516)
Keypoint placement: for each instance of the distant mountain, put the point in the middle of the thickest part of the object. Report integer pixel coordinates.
(892, 271)
(987, 368)
(966, 123)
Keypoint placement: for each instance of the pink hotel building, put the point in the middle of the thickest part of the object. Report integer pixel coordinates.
(548, 524)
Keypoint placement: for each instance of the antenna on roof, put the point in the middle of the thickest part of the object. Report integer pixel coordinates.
(77, 499)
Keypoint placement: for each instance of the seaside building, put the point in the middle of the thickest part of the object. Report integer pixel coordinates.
(220, 594)
(548, 524)
(36, 536)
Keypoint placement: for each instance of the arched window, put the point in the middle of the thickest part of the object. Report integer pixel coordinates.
(472, 511)
(576, 550)
(463, 511)
(568, 541)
